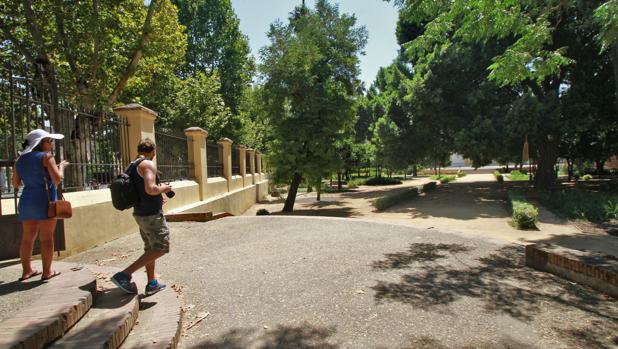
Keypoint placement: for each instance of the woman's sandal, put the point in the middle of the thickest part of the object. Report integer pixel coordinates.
(29, 276)
(54, 274)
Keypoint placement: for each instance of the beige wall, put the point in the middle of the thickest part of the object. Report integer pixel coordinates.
(235, 202)
(237, 183)
(216, 186)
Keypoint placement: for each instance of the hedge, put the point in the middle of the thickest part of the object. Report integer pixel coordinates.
(382, 181)
(524, 214)
(498, 176)
(389, 200)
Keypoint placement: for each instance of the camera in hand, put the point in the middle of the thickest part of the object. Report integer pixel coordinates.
(170, 194)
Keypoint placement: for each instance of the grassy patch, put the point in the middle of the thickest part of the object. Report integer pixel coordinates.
(392, 199)
(461, 173)
(331, 190)
(517, 175)
(525, 215)
(444, 178)
(586, 177)
(578, 204)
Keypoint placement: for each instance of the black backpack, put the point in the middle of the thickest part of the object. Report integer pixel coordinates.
(124, 192)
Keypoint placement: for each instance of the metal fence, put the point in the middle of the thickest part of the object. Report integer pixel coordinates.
(173, 157)
(214, 157)
(235, 161)
(93, 143)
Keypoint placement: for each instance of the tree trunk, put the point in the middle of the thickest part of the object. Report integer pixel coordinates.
(137, 54)
(545, 173)
(339, 180)
(319, 188)
(569, 169)
(614, 57)
(289, 201)
(414, 171)
(599, 165)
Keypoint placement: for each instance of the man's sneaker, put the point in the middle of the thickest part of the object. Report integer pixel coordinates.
(123, 281)
(153, 287)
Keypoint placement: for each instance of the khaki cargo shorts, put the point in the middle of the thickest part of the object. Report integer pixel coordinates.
(154, 232)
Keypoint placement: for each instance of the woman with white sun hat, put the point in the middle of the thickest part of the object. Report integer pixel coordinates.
(36, 168)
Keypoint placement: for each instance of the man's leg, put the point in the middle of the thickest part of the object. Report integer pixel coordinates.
(150, 271)
(144, 260)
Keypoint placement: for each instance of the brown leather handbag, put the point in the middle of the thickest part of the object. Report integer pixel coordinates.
(59, 209)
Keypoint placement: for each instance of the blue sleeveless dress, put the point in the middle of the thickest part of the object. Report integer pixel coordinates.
(33, 201)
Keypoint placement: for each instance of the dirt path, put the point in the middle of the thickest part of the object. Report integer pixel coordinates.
(473, 205)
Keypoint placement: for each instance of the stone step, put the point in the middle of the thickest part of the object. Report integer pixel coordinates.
(106, 325)
(53, 306)
(195, 216)
(159, 322)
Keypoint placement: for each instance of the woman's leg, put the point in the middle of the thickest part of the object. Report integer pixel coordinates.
(25, 248)
(46, 235)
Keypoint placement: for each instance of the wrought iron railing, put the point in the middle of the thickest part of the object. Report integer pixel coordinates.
(235, 161)
(95, 141)
(214, 157)
(173, 157)
(248, 163)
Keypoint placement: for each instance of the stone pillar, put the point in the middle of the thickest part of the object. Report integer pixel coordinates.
(226, 145)
(197, 155)
(252, 163)
(258, 164)
(141, 125)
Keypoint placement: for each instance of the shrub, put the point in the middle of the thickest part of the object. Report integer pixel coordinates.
(587, 177)
(525, 215)
(444, 178)
(382, 181)
(429, 186)
(262, 212)
(461, 173)
(392, 199)
(579, 204)
(355, 182)
(498, 176)
(517, 175)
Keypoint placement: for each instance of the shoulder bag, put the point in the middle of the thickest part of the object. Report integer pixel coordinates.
(60, 208)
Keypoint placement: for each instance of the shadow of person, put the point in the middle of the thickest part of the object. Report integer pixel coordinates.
(18, 286)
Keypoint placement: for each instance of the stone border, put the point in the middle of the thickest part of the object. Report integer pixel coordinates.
(595, 270)
(67, 298)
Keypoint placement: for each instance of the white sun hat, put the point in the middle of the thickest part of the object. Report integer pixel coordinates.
(36, 136)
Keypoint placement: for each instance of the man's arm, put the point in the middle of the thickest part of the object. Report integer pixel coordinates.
(149, 172)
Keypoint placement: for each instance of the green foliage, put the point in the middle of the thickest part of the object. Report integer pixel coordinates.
(309, 72)
(525, 215)
(216, 45)
(262, 212)
(389, 200)
(586, 177)
(461, 173)
(90, 46)
(578, 204)
(517, 175)
(498, 176)
(444, 178)
(382, 181)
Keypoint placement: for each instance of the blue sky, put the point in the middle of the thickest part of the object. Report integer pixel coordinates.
(379, 17)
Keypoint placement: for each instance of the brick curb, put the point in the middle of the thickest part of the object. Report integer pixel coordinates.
(66, 299)
(595, 270)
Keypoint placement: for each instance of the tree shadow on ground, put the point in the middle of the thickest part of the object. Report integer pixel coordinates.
(418, 253)
(426, 342)
(463, 201)
(305, 336)
(589, 337)
(326, 212)
(501, 281)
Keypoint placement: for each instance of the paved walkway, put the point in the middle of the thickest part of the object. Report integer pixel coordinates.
(307, 282)
(474, 205)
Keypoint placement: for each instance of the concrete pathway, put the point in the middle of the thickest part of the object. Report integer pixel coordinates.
(307, 282)
(474, 205)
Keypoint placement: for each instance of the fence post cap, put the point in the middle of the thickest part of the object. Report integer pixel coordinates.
(250, 149)
(135, 106)
(191, 131)
(225, 140)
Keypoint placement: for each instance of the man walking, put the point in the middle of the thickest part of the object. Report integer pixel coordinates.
(148, 212)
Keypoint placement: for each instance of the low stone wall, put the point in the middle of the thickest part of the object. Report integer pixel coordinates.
(237, 183)
(248, 179)
(592, 269)
(235, 202)
(216, 186)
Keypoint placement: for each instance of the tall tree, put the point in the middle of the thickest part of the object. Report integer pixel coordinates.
(216, 45)
(310, 74)
(93, 48)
